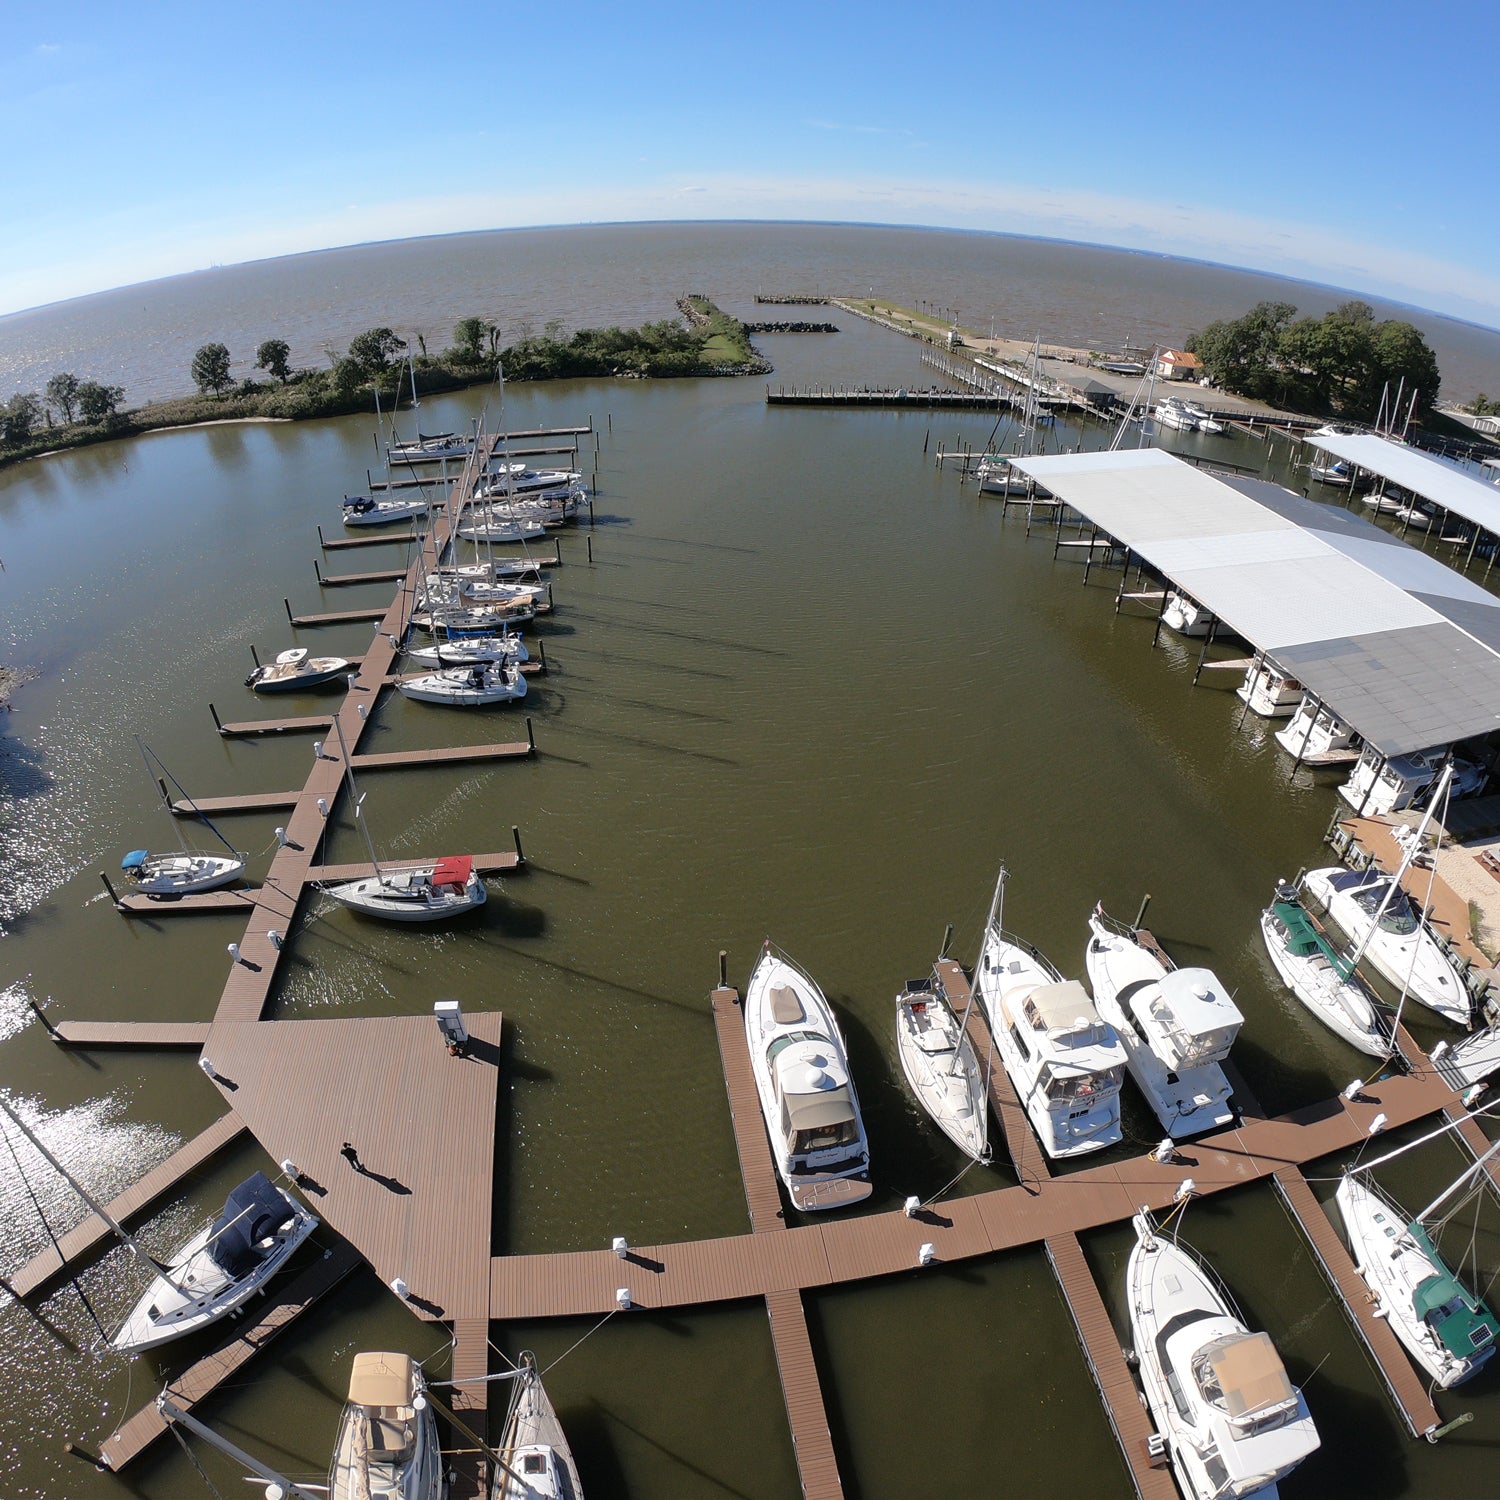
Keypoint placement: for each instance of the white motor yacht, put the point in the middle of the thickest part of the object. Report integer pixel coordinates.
(1219, 1394)
(1268, 691)
(1377, 915)
(503, 481)
(1336, 473)
(536, 1462)
(1170, 412)
(387, 1446)
(941, 1068)
(414, 893)
(1313, 733)
(1201, 419)
(180, 874)
(295, 671)
(806, 1093)
(1063, 1058)
(1319, 976)
(221, 1266)
(1382, 784)
(1176, 1025)
(1184, 615)
(468, 687)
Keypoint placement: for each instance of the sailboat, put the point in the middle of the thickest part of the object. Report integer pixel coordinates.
(536, 1462)
(362, 510)
(387, 1445)
(1063, 1057)
(1176, 1025)
(1446, 1329)
(468, 687)
(1319, 976)
(467, 652)
(807, 1096)
(425, 892)
(1218, 1393)
(221, 1267)
(180, 874)
(427, 446)
(940, 1065)
(996, 476)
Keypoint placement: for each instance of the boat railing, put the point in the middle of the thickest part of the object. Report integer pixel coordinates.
(1016, 941)
(1114, 924)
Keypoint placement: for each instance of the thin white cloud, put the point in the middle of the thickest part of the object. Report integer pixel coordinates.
(46, 49)
(857, 129)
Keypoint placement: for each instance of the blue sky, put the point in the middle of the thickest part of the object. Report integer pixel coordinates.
(1345, 143)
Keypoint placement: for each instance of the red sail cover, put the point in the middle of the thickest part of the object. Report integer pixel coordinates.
(454, 870)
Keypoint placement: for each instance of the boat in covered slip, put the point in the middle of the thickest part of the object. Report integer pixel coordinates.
(1176, 1025)
(361, 510)
(1184, 615)
(1219, 1394)
(1392, 783)
(535, 1461)
(427, 892)
(1320, 976)
(221, 1266)
(1314, 733)
(1446, 1329)
(1268, 691)
(1336, 473)
(387, 1445)
(806, 1093)
(468, 687)
(467, 651)
(942, 1071)
(1063, 1058)
(295, 671)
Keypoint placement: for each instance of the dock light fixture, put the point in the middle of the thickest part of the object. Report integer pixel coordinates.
(927, 1253)
(1379, 1123)
(317, 749)
(620, 1247)
(289, 1168)
(323, 806)
(1185, 1190)
(1355, 1089)
(281, 838)
(364, 710)
(233, 950)
(622, 1299)
(208, 1068)
(399, 1287)
(1165, 1152)
(275, 938)
(912, 1207)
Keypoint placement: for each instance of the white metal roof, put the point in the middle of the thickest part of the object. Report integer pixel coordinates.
(1406, 651)
(1432, 478)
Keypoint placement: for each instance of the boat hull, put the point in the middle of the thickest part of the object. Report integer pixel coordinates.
(1315, 985)
(942, 1070)
(189, 873)
(371, 897)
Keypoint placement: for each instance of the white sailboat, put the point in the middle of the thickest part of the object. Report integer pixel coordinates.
(1063, 1058)
(295, 671)
(1176, 1025)
(1446, 1329)
(362, 510)
(940, 1065)
(221, 1267)
(187, 871)
(536, 1462)
(467, 651)
(1321, 977)
(806, 1093)
(468, 687)
(1219, 1394)
(387, 1444)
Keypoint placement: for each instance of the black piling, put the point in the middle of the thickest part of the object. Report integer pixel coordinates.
(113, 895)
(947, 940)
(1140, 915)
(321, 542)
(927, 439)
(590, 540)
(609, 417)
(723, 968)
(530, 737)
(541, 653)
(41, 1016)
(165, 797)
(217, 724)
(77, 1450)
(253, 656)
(318, 572)
(291, 618)
(515, 834)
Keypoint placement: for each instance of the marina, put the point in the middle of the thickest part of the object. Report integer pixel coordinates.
(263, 1036)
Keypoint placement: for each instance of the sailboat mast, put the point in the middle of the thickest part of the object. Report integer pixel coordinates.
(176, 826)
(1460, 1181)
(175, 1413)
(1422, 1140)
(355, 797)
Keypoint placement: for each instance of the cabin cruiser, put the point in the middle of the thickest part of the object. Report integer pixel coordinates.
(387, 1445)
(997, 477)
(1184, 615)
(942, 1070)
(1063, 1058)
(1336, 472)
(414, 893)
(1383, 784)
(1172, 413)
(295, 671)
(1201, 418)
(806, 1093)
(1400, 944)
(1176, 1025)
(1268, 691)
(505, 481)
(221, 1266)
(1314, 733)
(179, 874)
(1219, 1394)
(1319, 975)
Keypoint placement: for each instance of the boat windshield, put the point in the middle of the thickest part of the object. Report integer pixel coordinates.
(786, 1039)
(1400, 917)
(1081, 1088)
(1242, 1376)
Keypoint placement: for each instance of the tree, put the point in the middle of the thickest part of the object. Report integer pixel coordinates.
(468, 340)
(373, 349)
(348, 375)
(1401, 354)
(19, 416)
(211, 368)
(1243, 355)
(272, 357)
(62, 395)
(99, 403)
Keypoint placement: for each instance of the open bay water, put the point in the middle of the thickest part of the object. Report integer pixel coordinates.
(811, 688)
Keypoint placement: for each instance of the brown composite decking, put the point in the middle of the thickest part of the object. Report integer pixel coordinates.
(339, 617)
(242, 802)
(1407, 1389)
(296, 724)
(812, 1443)
(155, 1034)
(470, 1404)
(159, 1181)
(338, 544)
(757, 1169)
(422, 1122)
(346, 580)
(451, 755)
(242, 898)
(282, 1305)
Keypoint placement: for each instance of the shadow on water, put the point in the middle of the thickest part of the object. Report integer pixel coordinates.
(645, 744)
(611, 658)
(678, 635)
(595, 1421)
(1277, 1085)
(693, 1007)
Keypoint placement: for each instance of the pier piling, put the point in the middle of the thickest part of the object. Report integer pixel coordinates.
(515, 834)
(530, 737)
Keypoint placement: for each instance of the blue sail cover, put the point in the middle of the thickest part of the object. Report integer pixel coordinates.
(134, 860)
(251, 1213)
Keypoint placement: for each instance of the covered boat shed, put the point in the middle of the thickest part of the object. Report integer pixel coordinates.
(1400, 647)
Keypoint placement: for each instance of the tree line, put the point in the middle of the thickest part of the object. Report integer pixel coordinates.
(1340, 363)
(66, 401)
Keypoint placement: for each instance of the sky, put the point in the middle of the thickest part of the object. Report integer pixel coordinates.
(1352, 144)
